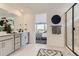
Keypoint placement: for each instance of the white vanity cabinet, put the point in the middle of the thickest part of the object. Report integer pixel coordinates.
(6, 45)
(0, 48)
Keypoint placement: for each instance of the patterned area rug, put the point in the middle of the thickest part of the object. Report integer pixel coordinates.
(49, 52)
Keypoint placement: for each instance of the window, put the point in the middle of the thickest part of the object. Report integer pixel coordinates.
(41, 27)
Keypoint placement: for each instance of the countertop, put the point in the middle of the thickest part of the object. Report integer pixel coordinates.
(2, 34)
(5, 34)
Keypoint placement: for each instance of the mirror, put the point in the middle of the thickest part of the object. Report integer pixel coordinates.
(6, 18)
(56, 19)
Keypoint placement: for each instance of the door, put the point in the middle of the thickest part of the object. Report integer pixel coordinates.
(73, 29)
(41, 28)
(8, 47)
(69, 28)
(41, 33)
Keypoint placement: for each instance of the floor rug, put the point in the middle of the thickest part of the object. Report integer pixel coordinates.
(49, 52)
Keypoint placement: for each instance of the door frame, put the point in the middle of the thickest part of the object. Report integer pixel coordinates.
(36, 29)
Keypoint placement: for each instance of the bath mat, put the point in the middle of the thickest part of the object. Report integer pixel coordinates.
(49, 52)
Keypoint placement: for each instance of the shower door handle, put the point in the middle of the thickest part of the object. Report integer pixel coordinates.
(73, 28)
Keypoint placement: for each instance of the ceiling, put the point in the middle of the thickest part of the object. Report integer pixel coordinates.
(23, 8)
(6, 13)
(40, 7)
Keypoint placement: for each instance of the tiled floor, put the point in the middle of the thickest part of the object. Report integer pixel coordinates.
(32, 50)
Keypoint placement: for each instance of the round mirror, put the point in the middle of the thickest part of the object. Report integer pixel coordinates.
(56, 19)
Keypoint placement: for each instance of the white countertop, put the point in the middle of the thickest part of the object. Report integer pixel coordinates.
(4, 34)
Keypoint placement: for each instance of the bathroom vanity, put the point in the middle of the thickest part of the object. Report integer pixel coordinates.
(6, 44)
(9, 43)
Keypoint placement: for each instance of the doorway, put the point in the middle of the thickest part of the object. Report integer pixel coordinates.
(41, 28)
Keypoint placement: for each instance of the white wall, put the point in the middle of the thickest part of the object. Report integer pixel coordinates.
(41, 18)
(55, 40)
(29, 20)
(52, 40)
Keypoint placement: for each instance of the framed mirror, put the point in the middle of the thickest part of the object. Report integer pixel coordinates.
(56, 19)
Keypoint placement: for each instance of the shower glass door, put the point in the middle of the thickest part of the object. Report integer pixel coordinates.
(76, 31)
(69, 28)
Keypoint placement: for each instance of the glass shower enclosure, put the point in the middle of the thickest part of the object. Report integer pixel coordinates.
(76, 31)
(72, 29)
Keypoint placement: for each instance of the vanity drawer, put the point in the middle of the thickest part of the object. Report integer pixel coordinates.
(17, 35)
(17, 40)
(17, 46)
(6, 37)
